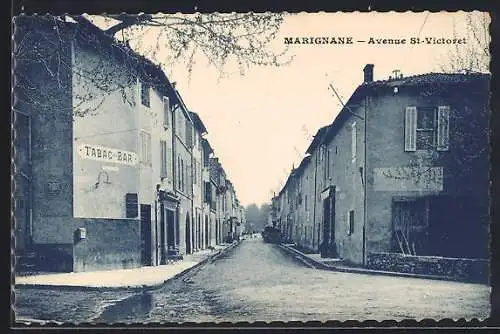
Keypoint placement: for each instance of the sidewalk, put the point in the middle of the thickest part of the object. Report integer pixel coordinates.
(315, 261)
(148, 276)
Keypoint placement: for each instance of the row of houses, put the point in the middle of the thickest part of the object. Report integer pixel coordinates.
(402, 169)
(112, 169)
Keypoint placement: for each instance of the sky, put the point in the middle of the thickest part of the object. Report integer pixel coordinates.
(261, 124)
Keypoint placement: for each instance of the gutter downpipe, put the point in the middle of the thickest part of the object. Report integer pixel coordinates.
(364, 179)
(314, 201)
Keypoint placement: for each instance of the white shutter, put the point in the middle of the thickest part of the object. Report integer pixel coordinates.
(166, 111)
(443, 128)
(138, 91)
(353, 142)
(411, 129)
(169, 159)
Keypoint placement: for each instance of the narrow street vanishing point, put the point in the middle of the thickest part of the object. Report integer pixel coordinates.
(257, 281)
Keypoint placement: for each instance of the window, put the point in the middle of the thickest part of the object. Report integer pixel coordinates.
(195, 171)
(443, 128)
(179, 173)
(166, 112)
(189, 133)
(327, 165)
(180, 125)
(145, 141)
(427, 128)
(131, 205)
(351, 222)
(353, 141)
(188, 179)
(163, 157)
(182, 175)
(208, 192)
(145, 94)
(305, 202)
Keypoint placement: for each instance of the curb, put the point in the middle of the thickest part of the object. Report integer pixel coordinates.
(29, 322)
(130, 288)
(202, 262)
(318, 265)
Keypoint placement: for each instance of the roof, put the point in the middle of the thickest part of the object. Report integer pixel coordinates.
(432, 80)
(206, 145)
(198, 122)
(318, 137)
(288, 180)
(89, 35)
(303, 165)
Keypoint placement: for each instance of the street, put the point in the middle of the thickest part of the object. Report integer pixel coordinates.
(259, 282)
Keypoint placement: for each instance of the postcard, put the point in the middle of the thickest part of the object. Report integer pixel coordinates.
(243, 167)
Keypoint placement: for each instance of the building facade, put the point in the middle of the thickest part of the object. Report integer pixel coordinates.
(120, 184)
(402, 169)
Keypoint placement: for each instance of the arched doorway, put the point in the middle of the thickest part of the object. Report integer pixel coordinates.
(188, 235)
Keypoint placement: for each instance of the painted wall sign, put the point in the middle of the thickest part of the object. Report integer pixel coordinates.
(106, 154)
(413, 178)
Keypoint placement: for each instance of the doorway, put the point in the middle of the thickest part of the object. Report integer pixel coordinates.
(198, 230)
(206, 231)
(162, 242)
(146, 241)
(170, 229)
(328, 247)
(188, 235)
(410, 219)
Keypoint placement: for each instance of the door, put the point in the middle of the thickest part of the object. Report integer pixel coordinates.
(331, 221)
(170, 229)
(198, 230)
(328, 247)
(146, 238)
(326, 227)
(188, 235)
(162, 244)
(22, 227)
(206, 231)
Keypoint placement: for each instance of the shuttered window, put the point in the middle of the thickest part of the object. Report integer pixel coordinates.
(195, 172)
(427, 128)
(145, 94)
(208, 192)
(182, 176)
(189, 178)
(166, 112)
(443, 128)
(145, 142)
(328, 163)
(410, 129)
(180, 126)
(163, 157)
(179, 174)
(351, 222)
(354, 139)
(189, 133)
(131, 205)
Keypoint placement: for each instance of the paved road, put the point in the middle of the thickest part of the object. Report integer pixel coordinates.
(257, 281)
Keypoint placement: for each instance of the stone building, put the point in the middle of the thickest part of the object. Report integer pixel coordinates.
(200, 215)
(104, 152)
(403, 169)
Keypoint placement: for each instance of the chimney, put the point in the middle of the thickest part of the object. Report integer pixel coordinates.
(368, 73)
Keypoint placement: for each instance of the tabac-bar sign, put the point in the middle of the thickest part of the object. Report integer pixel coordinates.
(107, 154)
